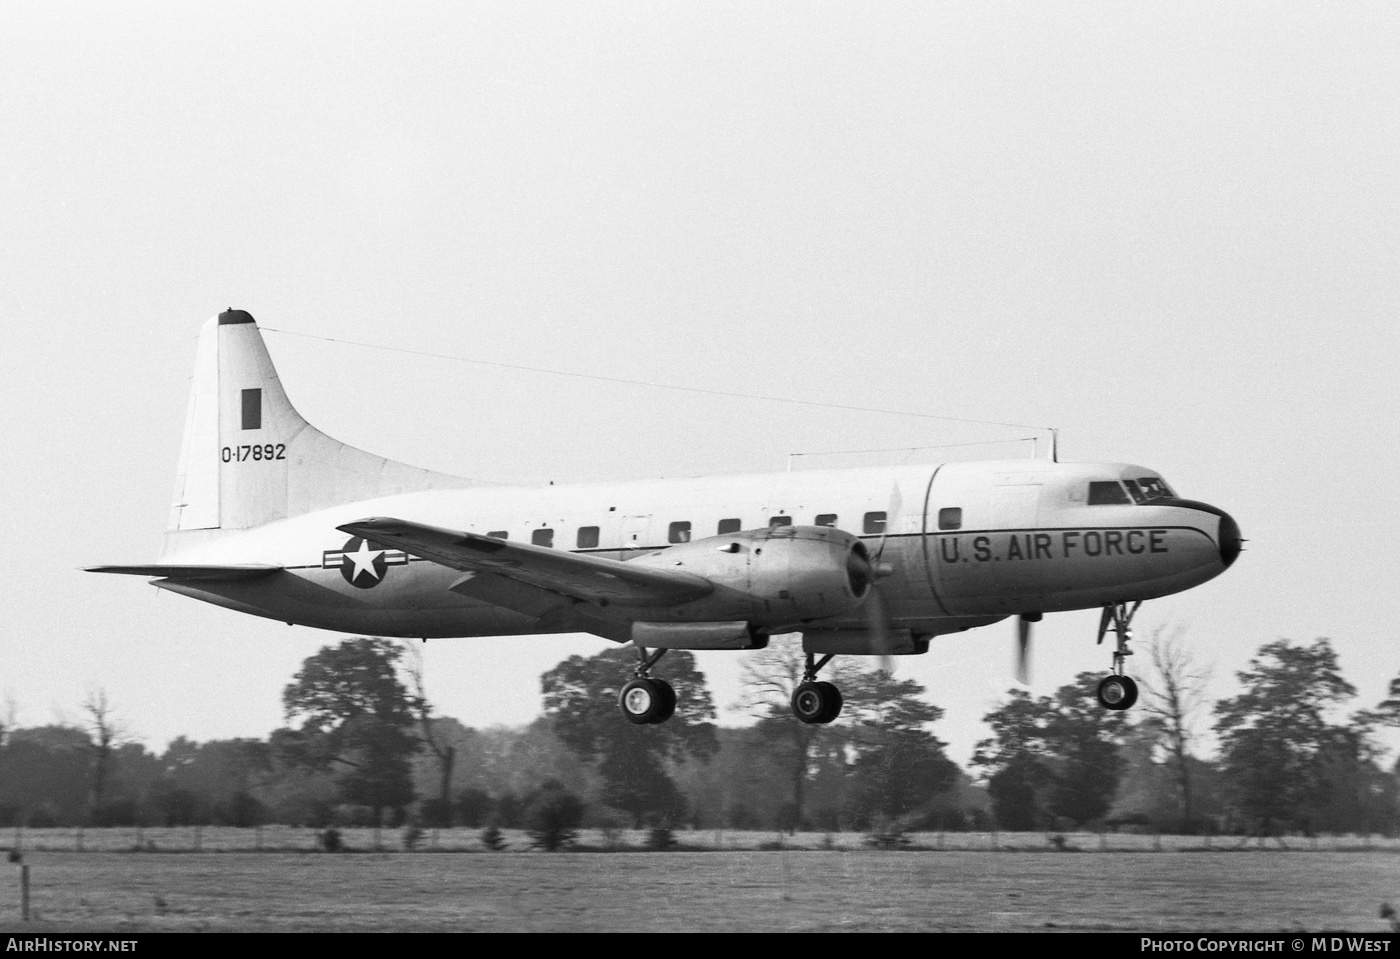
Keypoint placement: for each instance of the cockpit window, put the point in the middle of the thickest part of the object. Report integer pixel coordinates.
(1107, 493)
(1145, 489)
(1154, 487)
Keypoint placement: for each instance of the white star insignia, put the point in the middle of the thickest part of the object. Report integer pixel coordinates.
(364, 558)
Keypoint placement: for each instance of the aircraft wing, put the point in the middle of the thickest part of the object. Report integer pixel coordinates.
(207, 573)
(558, 572)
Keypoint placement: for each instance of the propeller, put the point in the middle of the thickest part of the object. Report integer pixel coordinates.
(877, 620)
(1023, 646)
(876, 612)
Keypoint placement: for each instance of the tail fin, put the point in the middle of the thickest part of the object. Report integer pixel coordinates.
(249, 458)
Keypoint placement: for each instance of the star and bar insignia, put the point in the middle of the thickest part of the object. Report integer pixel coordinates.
(361, 564)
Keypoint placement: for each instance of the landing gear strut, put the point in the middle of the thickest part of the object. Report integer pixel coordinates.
(644, 700)
(1118, 691)
(816, 702)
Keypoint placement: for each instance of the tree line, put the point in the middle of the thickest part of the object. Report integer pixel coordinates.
(363, 745)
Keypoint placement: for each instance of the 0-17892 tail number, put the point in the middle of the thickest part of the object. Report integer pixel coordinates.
(264, 451)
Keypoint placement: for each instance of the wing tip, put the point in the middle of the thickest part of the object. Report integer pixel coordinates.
(373, 523)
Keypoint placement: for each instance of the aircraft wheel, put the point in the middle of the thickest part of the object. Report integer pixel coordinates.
(836, 701)
(643, 700)
(1117, 692)
(667, 695)
(816, 702)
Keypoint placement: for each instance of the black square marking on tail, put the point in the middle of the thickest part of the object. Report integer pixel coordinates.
(252, 409)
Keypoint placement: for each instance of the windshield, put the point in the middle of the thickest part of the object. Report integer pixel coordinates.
(1145, 489)
(1106, 493)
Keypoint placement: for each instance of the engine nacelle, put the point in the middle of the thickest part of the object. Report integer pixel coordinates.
(776, 577)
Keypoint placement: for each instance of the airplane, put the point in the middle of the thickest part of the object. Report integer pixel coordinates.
(274, 518)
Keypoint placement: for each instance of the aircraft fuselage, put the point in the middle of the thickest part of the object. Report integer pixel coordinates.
(961, 544)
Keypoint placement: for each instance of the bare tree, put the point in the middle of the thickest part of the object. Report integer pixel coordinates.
(445, 752)
(770, 678)
(1175, 695)
(106, 733)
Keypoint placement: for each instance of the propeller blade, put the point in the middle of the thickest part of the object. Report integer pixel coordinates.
(877, 616)
(891, 520)
(1023, 650)
(878, 622)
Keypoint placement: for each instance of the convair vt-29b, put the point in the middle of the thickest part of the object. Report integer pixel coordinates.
(274, 518)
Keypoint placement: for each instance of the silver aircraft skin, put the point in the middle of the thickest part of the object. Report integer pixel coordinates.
(273, 518)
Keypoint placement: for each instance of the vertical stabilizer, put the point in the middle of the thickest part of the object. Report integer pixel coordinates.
(249, 458)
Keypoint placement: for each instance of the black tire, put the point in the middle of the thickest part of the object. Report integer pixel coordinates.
(811, 702)
(641, 701)
(834, 704)
(1117, 692)
(667, 695)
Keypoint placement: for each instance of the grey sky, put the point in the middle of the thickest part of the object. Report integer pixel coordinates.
(1168, 229)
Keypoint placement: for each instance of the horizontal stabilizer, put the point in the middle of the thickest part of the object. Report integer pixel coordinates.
(589, 578)
(208, 573)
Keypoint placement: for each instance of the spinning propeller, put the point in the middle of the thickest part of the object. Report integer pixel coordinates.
(877, 616)
(1023, 646)
(878, 622)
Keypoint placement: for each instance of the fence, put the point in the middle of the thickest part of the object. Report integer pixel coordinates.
(275, 838)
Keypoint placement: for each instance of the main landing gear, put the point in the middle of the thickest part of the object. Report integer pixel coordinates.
(647, 701)
(1118, 691)
(644, 700)
(816, 702)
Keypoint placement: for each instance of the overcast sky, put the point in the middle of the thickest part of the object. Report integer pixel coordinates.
(1168, 229)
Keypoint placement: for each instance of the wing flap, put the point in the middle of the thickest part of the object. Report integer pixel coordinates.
(555, 612)
(588, 578)
(231, 573)
(511, 594)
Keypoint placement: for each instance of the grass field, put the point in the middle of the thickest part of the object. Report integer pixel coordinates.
(787, 890)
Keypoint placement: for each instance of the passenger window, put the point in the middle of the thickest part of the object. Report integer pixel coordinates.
(1108, 493)
(542, 537)
(729, 526)
(950, 517)
(875, 522)
(678, 533)
(499, 534)
(826, 519)
(776, 521)
(587, 537)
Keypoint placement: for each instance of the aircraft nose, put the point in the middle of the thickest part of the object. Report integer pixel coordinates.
(1230, 541)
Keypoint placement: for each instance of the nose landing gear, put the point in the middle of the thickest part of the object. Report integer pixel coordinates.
(816, 702)
(1118, 691)
(646, 701)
